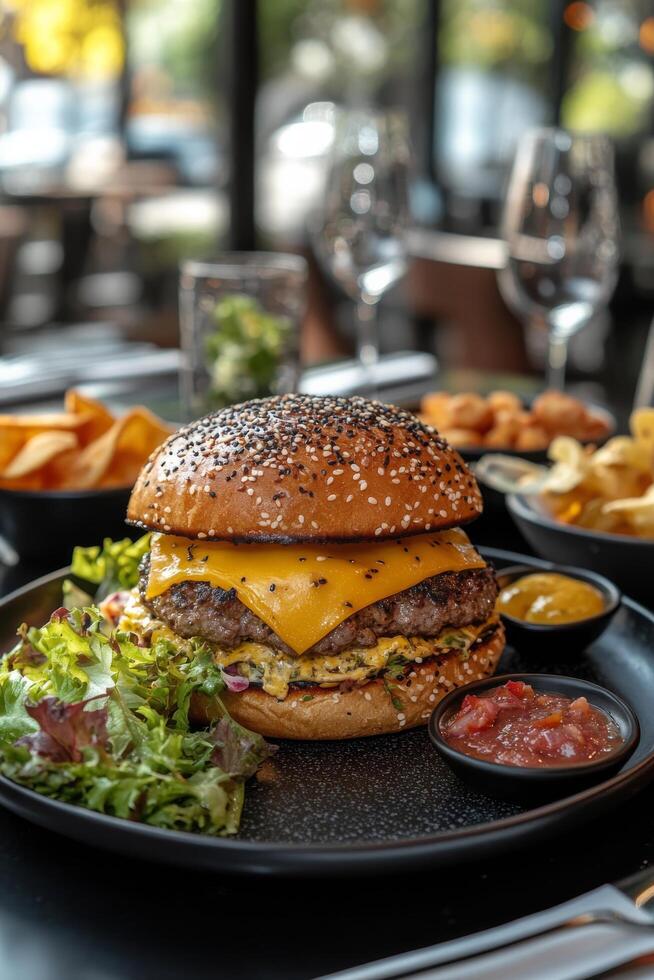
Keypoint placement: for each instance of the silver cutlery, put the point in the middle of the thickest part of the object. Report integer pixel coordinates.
(628, 905)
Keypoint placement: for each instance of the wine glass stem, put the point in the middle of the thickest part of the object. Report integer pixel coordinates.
(367, 338)
(557, 356)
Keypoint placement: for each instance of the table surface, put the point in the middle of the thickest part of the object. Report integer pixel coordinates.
(69, 911)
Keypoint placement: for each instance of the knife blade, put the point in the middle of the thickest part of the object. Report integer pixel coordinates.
(639, 888)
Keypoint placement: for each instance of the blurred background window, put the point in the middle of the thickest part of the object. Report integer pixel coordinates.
(112, 118)
(493, 83)
(176, 108)
(135, 134)
(174, 137)
(60, 66)
(317, 55)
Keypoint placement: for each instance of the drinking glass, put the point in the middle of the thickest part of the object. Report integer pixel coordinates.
(239, 323)
(365, 215)
(561, 228)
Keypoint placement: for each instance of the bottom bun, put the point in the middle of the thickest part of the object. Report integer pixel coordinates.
(327, 713)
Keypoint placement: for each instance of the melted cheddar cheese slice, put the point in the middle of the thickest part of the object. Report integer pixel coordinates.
(304, 591)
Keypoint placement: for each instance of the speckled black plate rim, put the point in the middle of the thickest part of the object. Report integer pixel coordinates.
(231, 855)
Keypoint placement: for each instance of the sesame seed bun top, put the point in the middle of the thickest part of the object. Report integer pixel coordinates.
(301, 467)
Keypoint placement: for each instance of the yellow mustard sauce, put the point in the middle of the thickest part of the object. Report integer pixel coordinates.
(550, 598)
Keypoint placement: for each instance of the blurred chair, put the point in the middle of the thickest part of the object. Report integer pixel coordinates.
(463, 317)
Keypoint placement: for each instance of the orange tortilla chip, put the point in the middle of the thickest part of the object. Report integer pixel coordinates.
(124, 469)
(16, 430)
(144, 438)
(37, 452)
(11, 441)
(43, 423)
(81, 448)
(33, 481)
(133, 437)
(98, 419)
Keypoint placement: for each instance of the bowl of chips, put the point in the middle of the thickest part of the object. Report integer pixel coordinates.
(595, 507)
(67, 476)
(501, 422)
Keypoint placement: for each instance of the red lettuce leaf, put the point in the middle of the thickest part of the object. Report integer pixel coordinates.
(65, 730)
(238, 751)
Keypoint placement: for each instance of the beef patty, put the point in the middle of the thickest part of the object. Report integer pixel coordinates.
(449, 599)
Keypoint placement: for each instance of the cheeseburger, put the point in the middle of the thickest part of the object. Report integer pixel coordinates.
(316, 545)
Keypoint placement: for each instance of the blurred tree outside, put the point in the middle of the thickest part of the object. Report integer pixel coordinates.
(511, 38)
(345, 46)
(172, 54)
(612, 87)
(77, 39)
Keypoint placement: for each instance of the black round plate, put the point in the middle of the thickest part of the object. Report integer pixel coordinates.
(373, 805)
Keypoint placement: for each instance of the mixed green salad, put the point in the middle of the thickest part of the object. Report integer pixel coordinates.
(91, 716)
(245, 350)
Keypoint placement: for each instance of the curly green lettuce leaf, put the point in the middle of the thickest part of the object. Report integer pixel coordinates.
(137, 769)
(103, 722)
(71, 659)
(209, 801)
(68, 658)
(112, 566)
(15, 721)
(237, 750)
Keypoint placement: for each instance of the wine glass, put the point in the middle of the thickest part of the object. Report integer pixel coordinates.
(561, 227)
(365, 215)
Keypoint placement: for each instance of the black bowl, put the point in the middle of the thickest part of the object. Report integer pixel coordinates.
(47, 524)
(563, 641)
(531, 783)
(624, 559)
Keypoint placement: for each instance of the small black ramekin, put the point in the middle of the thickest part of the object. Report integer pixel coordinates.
(532, 783)
(562, 641)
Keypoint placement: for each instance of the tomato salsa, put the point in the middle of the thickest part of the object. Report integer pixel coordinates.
(517, 726)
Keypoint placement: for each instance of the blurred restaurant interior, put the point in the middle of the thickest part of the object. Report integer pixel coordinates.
(135, 134)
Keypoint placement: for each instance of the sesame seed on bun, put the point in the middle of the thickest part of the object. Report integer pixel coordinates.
(300, 468)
